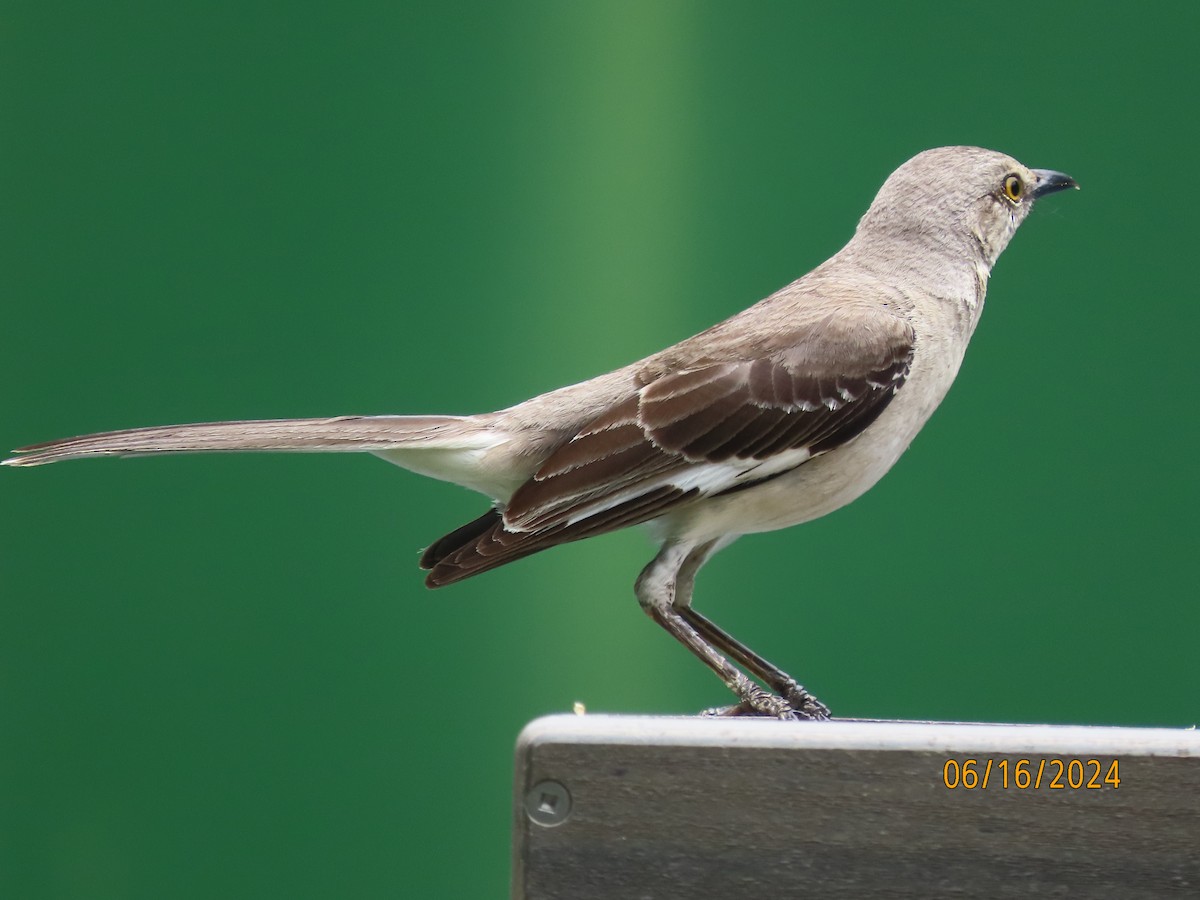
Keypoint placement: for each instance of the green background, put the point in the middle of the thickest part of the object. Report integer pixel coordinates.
(221, 676)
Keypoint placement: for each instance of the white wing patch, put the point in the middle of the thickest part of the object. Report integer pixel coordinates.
(707, 479)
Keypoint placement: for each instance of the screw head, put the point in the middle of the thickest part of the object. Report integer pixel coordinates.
(547, 803)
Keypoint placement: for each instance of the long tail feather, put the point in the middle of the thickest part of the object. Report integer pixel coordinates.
(342, 433)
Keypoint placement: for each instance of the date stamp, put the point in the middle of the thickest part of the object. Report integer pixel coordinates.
(1045, 773)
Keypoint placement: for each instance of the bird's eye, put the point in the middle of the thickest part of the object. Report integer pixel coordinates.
(1014, 188)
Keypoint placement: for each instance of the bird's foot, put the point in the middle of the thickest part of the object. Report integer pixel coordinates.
(802, 701)
(795, 703)
(728, 712)
(739, 710)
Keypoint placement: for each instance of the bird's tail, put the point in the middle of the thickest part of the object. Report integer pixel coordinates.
(467, 450)
(342, 433)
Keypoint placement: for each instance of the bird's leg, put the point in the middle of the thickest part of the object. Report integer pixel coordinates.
(751, 695)
(664, 589)
(799, 699)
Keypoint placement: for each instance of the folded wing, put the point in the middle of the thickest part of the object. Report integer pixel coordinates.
(683, 435)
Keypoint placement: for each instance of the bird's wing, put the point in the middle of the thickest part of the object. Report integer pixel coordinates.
(697, 432)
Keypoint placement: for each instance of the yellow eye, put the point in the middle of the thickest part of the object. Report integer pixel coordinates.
(1014, 188)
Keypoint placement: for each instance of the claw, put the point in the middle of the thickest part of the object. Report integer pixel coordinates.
(808, 708)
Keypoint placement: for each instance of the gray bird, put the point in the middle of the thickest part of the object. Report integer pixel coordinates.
(776, 416)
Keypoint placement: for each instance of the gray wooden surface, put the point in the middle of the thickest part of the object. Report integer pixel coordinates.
(643, 807)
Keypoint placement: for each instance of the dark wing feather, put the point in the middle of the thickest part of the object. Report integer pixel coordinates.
(688, 434)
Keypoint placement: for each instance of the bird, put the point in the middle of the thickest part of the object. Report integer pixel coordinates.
(780, 414)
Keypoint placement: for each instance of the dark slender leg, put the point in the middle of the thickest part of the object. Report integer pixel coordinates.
(799, 699)
(665, 588)
(751, 695)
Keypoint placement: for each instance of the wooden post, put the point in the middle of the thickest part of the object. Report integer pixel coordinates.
(641, 807)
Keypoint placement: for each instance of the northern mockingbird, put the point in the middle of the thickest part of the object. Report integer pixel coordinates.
(778, 415)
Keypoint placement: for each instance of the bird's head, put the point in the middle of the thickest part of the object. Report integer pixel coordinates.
(965, 199)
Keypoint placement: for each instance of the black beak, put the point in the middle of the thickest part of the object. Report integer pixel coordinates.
(1050, 182)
